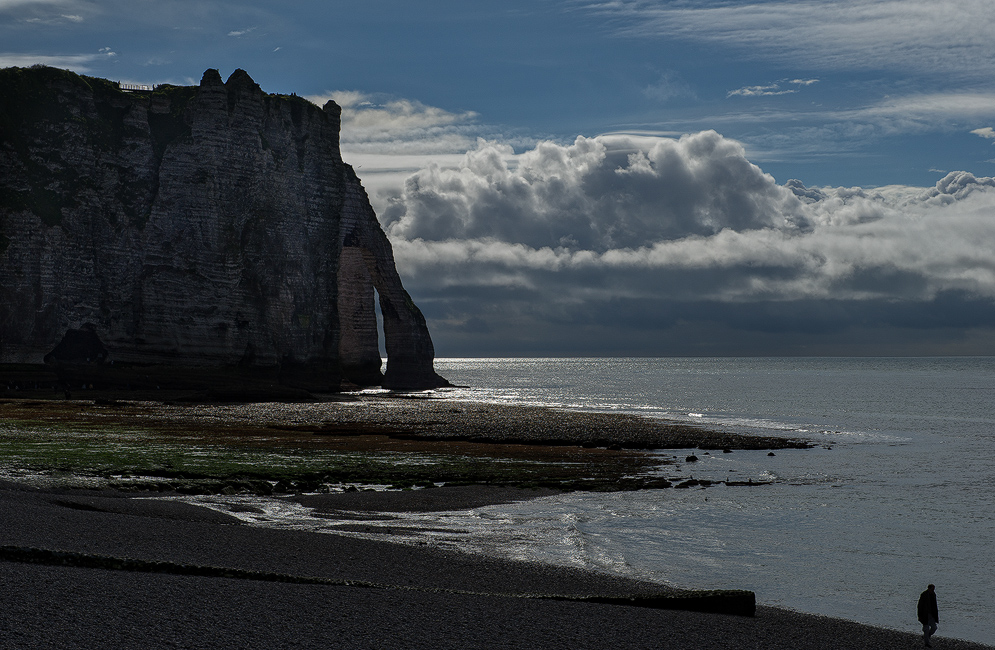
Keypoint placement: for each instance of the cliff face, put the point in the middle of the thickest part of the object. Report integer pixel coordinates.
(189, 228)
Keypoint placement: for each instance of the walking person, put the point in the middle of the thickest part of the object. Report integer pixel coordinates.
(928, 614)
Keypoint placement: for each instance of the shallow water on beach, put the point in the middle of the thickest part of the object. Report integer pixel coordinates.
(897, 494)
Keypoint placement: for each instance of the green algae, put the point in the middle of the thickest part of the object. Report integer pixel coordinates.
(135, 459)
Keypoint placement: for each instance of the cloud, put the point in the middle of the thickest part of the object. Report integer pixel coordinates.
(921, 112)
(641, 234)
(152, 21)
(669, 86)
(7, 5)
(860, 246)
(761, 91)
(45, 12)
(78, 62)
(772, 88)
(929, 106)
(377, 124)
(986, 132)
(907, 113)
(404, 115)
(389, 138)
(811, 133)
(596, 194)
(951, 39)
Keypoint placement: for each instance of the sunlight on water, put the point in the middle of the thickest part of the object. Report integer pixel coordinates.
(898, 493)
(904, 497)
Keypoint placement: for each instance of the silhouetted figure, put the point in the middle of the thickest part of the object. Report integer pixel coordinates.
(929, 615)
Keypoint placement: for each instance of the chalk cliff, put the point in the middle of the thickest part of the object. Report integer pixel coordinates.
(190, 228)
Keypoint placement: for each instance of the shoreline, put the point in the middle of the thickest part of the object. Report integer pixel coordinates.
(436, 598)
(468, 594)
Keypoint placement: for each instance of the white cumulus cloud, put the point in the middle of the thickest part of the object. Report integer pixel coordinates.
(683, 219)
(596, 194)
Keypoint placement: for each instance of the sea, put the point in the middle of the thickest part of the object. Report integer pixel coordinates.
(897, 492)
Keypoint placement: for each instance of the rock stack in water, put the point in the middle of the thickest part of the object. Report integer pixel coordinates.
(187, 233)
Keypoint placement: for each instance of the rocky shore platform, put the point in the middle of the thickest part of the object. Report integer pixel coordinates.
(184, 443)
(246, 587)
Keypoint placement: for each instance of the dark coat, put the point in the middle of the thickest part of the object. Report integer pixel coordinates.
(927, 607)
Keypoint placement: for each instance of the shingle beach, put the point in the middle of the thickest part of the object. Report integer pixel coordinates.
(252, 587)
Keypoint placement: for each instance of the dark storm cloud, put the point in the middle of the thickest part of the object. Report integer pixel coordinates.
(950, 324)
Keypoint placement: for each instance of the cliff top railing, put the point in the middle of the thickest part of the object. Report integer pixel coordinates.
(135, 87)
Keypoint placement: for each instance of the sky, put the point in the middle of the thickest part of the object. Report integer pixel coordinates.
(627, 177)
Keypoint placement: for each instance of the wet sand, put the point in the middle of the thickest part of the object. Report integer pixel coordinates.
(420, 600)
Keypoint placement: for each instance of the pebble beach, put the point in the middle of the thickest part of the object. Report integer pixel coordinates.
(339, 592)
(422, 598)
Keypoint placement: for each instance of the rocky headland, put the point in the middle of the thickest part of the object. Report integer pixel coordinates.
(191, 237)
